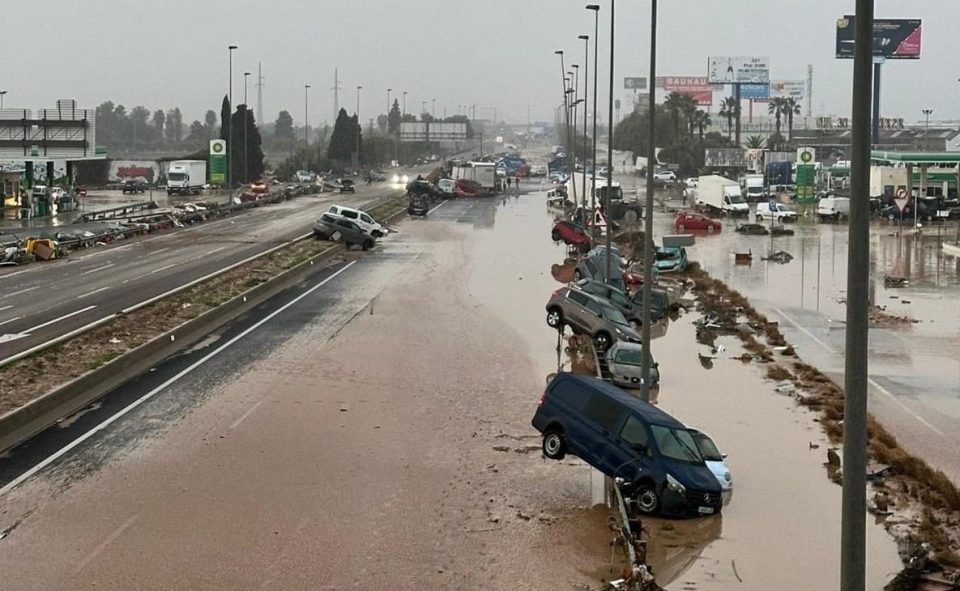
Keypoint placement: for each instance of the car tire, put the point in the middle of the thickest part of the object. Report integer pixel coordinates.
(602, 341)
(555, 317)
(554, 447)
(377, 234)
(367, 245)
(555, 236)
(647, 499)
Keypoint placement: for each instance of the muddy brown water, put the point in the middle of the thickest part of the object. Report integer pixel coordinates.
(782, 528)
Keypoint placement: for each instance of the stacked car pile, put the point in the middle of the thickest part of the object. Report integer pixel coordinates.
(350, 226)
(660, 464)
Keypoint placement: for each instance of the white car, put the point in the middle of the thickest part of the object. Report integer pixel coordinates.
(361, 218)
(770, 210)
(715, 461)
(665, 176)
(692, 182)
(447, 186)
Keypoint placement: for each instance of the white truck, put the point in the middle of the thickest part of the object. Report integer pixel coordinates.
(721, 194)
(484, 173)
(753, 188)
(186, 177)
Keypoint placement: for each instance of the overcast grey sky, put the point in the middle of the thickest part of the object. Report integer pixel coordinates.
(165, 53)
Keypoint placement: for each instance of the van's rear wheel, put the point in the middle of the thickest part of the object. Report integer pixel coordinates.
(554, 318)
(554, 447)
(647, 499)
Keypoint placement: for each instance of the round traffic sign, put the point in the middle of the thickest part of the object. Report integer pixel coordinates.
(806, 156)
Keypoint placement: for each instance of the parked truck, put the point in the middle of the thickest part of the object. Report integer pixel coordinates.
(753, 189)
(186, 177)
(721, 194)
(779, 173)
(620, 209)
(484, 173)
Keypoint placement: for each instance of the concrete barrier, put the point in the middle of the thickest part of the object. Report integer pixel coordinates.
(19, 425)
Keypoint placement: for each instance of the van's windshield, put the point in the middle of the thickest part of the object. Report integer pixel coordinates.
(676, 444)
(177, 176)
(706, 447)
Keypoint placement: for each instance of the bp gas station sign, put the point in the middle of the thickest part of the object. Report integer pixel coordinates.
(218, 161)
(806, 178)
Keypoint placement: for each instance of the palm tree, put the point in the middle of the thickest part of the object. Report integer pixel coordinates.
(729, 109)
(687, 106)
(700, 119)
(791, 108)
(755, 142)
(777, 106)
(673, 104)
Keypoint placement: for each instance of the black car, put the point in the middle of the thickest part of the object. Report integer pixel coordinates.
(134, 186)
(626, 438)
(347, 186)
(419, 204)
(343, 230)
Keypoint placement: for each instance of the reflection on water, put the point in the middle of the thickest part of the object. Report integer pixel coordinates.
(673, 546)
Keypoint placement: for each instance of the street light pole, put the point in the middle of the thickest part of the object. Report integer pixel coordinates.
(2, 93)
(575, 77)
(647, 359)
(388, 110)
(593, 175)
(566, 113)
(359, 88)
(404, 103)
(246, 147)
(854, 507)
(586, 72)
(306, 126)
(610, 151)
(229, 123)
(433, 108)
(927, 113)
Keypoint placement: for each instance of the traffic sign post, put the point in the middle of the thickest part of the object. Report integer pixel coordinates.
(218, 162)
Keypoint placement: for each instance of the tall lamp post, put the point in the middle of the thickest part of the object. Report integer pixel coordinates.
(575, 77)
(646, 358)
(306, 126)
(359, 88)
(388, 108)
(610, 150)
(593, 175)
(246, 148)
(586, 72)
(566, 112)
(229, 123)
(927, 113)
(433, 108)
(404, 103)
(2, 92)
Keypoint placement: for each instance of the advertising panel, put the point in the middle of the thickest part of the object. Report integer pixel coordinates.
(696, 86)
(893, 38)
(218, 161)
(742, 69)
(755, 91)
(635, 83)
(795, 89)
(122, 170)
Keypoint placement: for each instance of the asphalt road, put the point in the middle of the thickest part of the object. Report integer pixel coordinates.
(45, 300)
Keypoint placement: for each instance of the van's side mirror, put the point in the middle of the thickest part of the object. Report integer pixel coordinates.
(723, 456)
(656, 364)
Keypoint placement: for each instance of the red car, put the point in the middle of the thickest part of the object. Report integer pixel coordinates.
(695, 221)
(570, 233)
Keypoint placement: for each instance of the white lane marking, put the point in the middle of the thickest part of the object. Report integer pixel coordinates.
(56, 320)
(870, 380)
(107, 422)
(21, 291)
(827, 347)
(100, 268)
(6, 307)
(15, 273)
(215, 250)
(90, 293)
(14, 336)
(11, 320)
(245, 415)
(162, 269)
(442, 203)
(113, 536)
(159, 250)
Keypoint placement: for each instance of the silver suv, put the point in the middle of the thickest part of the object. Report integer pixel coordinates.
(589, 315)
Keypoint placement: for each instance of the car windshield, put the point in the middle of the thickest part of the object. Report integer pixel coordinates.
(736, 198)
(614, 315)
(676, 444)
(706, 447)
(629, 357)
(666, 255)
(176, 176)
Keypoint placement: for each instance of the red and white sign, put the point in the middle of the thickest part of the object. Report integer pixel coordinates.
(901, 200)
(696, 86)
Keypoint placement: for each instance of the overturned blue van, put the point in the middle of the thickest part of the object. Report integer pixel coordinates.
(627, 438)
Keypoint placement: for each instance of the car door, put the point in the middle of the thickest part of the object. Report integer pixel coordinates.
(628, 450)
(576, 311)
(603, 416)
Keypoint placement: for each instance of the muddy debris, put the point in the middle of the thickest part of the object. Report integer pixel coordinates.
(880, 318)
(781, 257)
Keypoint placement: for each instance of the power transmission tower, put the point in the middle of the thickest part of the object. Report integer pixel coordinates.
(260, 93)
(336, 93)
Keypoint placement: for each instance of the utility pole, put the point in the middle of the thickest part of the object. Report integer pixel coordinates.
(610, 150)
(246, 144)
(336, 93)
(809, 90)
(853, 550)
(647, 359)
(229, 123)
(260, 92)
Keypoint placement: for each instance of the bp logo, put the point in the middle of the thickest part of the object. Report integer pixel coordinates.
(217, 147)
(806, 156)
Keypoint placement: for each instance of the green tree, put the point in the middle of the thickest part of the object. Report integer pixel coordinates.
(210, 124)
(174, 125)
(198, 133)
(700, 120)
(791, 107)
(343, 140)
(283, 127)
(159, 119)
(777, 108)
(139, 116)
(755, 142)
(245, 128)
(224, 118)
(730, 110)
(777, 143)
(393, 119)
(382, 123)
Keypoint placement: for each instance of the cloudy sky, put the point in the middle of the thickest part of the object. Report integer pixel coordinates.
(494, 53)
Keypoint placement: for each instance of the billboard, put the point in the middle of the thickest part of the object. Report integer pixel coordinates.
(893, 38)
(121, 170)
(725, 158)
(755, 92)
(742, 69)
(635, 83)
(418, 131)
(795, 89)
(62, 133)
(696, 86)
